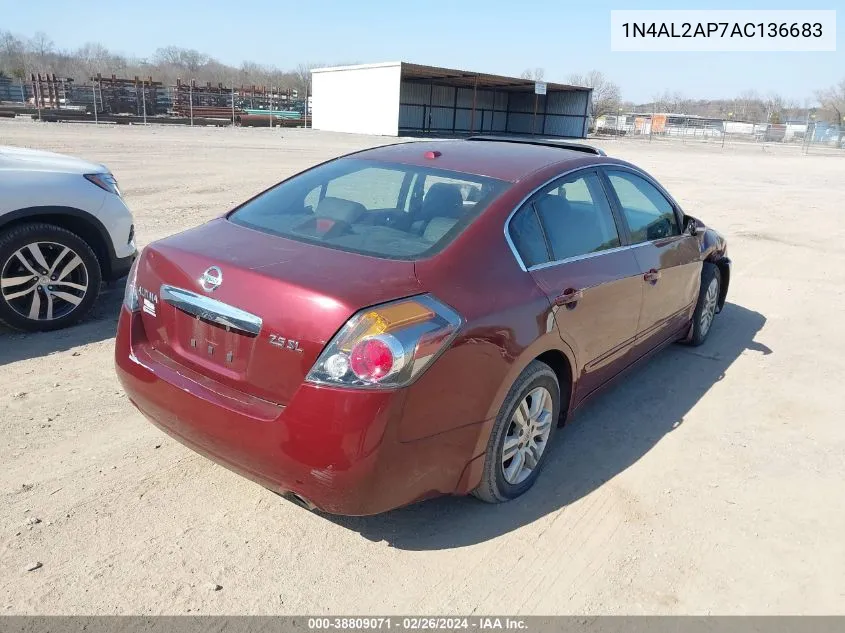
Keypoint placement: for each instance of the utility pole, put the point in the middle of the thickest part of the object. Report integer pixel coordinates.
(37, 94)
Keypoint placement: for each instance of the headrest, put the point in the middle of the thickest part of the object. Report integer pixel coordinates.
(443, 201)
(340, 210)
(551, 203)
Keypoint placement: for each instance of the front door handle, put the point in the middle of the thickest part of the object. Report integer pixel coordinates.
(652, 276)
(569, 298)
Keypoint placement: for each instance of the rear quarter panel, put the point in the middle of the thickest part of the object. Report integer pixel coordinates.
(508, 323)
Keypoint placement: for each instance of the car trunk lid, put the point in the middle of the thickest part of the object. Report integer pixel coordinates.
(252, 310)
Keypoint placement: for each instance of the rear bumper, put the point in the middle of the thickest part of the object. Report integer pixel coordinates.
(117, 221)
(119, 266)
(336, 448)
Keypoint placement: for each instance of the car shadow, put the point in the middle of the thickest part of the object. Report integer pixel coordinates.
(99, 325)
(607, 436)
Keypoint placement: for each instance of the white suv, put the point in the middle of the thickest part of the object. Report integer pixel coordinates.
(64, 228)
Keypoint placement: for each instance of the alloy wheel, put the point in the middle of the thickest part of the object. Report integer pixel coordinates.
(527, 436)
(43, 281)
(711, 299)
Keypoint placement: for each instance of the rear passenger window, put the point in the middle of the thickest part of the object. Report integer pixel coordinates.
(649, 214)
(576, 217)
(527, 237)
(575, 191)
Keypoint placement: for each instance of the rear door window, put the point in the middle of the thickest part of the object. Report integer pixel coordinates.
(576, 217)
(527, 237)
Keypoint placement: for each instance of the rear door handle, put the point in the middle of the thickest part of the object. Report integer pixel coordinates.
(569, 298)
(652, 276)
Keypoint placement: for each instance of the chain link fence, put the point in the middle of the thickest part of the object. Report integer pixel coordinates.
(148, 99)
(809, 136)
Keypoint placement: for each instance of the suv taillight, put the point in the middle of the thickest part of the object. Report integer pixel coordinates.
(130, 294)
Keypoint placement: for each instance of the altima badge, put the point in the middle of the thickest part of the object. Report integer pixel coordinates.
(149, 300)
(211, 279)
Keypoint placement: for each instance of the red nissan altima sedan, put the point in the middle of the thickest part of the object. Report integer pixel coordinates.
(413, 320)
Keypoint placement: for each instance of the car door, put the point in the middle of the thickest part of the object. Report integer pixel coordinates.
(569, 239)
(669, 260)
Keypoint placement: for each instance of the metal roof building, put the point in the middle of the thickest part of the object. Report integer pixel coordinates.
(398, 97)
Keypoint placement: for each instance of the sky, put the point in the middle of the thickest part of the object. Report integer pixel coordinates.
(496, 36)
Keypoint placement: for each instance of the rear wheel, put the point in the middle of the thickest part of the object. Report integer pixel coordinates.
(49, 277)
(520, 440)
(708, 302)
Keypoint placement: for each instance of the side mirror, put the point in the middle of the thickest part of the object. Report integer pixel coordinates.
(690, 225)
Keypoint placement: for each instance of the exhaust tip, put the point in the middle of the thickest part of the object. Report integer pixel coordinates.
(300, 500)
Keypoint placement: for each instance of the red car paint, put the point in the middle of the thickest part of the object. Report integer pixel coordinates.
(360, 451)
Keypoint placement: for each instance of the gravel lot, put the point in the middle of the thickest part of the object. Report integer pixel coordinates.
(711, 481)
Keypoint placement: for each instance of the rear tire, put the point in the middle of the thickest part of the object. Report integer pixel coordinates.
(49, 277)
(707, 306)
(535, 399)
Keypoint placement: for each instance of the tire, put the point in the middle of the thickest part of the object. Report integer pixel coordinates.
(495, 486)
(707, 306)
(64, 297)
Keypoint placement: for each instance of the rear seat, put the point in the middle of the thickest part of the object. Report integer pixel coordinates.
(437, 228)
(442, 202)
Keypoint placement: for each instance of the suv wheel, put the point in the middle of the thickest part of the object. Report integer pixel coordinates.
(519, 443)
(49, 277)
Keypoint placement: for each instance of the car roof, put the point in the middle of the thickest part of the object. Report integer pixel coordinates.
(509, 160)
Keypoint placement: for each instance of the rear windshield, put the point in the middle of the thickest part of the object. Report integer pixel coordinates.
(383, 209)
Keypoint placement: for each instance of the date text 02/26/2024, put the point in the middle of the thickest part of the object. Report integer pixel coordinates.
(416, 623)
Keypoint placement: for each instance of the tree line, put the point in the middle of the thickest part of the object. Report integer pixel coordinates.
(827, 104)
(21, 56)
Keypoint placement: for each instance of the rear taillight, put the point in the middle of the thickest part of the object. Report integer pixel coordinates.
(130, 295)
(388, 345)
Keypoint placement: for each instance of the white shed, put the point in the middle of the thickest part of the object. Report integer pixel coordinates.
(362, 99)
(397, 97)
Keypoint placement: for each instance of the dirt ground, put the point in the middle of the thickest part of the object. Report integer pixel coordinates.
(710, 481)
